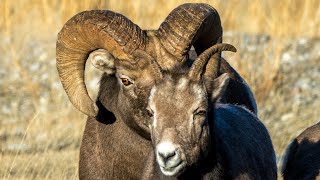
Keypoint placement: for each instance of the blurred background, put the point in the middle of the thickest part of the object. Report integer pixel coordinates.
(278, 54)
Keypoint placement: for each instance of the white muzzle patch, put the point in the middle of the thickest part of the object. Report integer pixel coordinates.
(169, 158)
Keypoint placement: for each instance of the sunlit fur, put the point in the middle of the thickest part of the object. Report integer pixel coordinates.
(115, 140)
(226, 141)
(179, 117)
(302, 160)
(122, 123)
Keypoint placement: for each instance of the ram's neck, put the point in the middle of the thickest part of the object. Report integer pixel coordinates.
(112, 151)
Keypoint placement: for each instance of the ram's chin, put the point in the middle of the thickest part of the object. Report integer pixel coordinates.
(173, 171)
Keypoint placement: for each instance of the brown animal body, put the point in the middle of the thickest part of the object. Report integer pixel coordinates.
(241, 149)
(195, 137)
(302, 159)
(116, 138)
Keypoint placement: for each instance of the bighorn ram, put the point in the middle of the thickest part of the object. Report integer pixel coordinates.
(116, 137)
(196, 138)
(302, 159)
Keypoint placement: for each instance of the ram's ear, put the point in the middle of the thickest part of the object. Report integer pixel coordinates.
(103, 60)
(219, 87)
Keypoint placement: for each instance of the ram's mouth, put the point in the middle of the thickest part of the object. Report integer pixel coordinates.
(175, 170)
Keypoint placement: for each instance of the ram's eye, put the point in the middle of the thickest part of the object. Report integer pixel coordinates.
(201, 113)
(150, 114)
(126, 81)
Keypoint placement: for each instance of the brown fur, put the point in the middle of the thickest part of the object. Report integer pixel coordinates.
(116, 141)
(303, 155)
(241, 149)
(119, 135)
(227, 142)
(121, 121)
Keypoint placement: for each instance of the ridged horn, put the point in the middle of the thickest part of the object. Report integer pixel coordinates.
(197, 67)
(156, 68)
(196, 24)
(84, 33)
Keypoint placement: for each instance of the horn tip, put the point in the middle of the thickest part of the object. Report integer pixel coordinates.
(232, 48)
(95, 108)
(92, 112)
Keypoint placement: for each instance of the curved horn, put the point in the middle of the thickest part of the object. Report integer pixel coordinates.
(84, 33)
(196, 24)
(156, 68)
(199, 64)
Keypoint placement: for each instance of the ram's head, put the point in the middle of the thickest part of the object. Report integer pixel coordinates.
(180, 104)
(122, 50)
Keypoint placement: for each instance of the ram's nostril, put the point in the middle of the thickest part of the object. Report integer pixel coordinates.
(167, 155)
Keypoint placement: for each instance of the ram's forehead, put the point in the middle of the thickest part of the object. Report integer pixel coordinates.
(187, 86)
(182, 83)
(178, 89)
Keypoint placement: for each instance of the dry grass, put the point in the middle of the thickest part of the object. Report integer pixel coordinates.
(40, 131)
(286, 18)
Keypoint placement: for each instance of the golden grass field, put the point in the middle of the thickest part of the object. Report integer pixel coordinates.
(40, 131)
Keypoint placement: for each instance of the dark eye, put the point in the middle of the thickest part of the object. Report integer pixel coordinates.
(126, 81)
(150, 114)
(201, 113)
